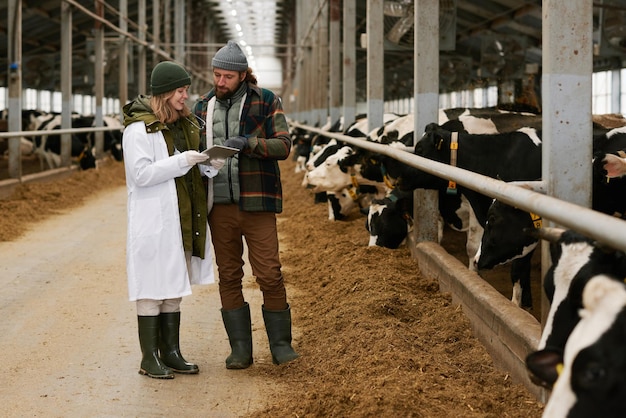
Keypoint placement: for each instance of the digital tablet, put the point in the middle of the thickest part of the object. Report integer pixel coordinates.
(219, 151)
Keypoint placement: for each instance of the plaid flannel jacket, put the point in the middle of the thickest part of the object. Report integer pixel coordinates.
(264, 123)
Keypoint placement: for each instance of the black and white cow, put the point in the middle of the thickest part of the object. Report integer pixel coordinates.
(512, 156)
(589, 374)
(503, 239)
(318, 141)
(343, 202)
(112, 139)
(301, 142)
(47, 146)
(341, 197)
(397, 130)
(390, 219)
(468, 120)
(339, 171)
(489, 120)
(575, 260)
(28, 124)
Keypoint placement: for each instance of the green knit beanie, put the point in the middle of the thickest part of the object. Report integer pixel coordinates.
(167, 76)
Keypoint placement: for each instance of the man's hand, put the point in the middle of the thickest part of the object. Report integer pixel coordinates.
(239, 142)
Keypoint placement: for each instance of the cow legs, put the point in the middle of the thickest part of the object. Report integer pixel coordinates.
(520, 276)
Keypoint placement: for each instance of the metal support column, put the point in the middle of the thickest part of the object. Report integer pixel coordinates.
(566, 91)
(66, 82)
(99, 78)
(179, 32)
(14, 49)
(335, 60)
(426, 103)
(322, 56)
(349, 62)
(142, 52)
(375, 64)
(123, 54)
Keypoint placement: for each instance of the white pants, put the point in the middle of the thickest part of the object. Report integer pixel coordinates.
(153, 307)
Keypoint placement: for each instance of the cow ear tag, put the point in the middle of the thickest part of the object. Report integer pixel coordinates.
(454, 146)
(452, 190)
(536, 219)
(559, 368)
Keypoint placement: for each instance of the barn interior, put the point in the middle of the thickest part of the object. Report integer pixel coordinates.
(482, 42)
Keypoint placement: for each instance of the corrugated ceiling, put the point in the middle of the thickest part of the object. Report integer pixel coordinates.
(480, 39)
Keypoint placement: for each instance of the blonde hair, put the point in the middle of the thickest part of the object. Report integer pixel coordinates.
(164, 111)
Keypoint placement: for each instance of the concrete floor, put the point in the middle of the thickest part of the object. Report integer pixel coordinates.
(68, 334)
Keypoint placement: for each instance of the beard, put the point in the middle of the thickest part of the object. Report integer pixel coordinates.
(226, 93)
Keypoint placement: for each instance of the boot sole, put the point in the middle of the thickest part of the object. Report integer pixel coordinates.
(186, 371)
(156, 376)
(238, 366)
(287, 360)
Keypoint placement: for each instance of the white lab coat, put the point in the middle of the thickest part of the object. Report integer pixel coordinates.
(155, 256)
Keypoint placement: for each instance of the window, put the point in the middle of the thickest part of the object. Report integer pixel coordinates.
(601, 92)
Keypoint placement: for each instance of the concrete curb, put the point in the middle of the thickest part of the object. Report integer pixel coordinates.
(507, 332)
(7, 186)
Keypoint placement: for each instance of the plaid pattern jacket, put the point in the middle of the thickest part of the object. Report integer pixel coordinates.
(264, 123)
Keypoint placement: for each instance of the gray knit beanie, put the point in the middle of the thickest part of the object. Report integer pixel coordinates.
(167, 76)
(230, 57)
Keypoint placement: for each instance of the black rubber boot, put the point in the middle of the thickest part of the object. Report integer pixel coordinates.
(151, 364)
(239, 329)
(169, 345)
(278, 327)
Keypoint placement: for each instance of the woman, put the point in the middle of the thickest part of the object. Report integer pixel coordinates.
(168, 241)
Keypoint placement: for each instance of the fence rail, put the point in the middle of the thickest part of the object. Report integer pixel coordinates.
(599, 226)
(57, 131)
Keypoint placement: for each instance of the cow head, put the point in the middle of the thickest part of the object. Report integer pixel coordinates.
(434, 145)
(331, 173)
(388, 220)
(503, 238)
(592, 370)
(575, 260)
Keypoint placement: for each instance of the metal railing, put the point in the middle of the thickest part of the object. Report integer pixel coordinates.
(58, 131)
(596, 225)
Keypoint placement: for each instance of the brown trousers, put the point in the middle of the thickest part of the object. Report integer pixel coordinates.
(229, 226)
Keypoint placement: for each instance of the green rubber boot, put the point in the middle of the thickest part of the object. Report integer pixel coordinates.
(278, 327)
(169, 345)
(239, 329)
(151, 364)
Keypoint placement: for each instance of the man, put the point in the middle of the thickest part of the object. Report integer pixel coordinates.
(244, 199)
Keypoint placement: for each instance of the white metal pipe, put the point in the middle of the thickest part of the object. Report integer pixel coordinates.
(599, 226)
(56, 132)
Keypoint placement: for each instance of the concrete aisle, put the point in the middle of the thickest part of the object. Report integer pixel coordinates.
(68, 334)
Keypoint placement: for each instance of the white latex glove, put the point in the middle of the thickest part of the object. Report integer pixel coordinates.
(217, 163)
(194, 157)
